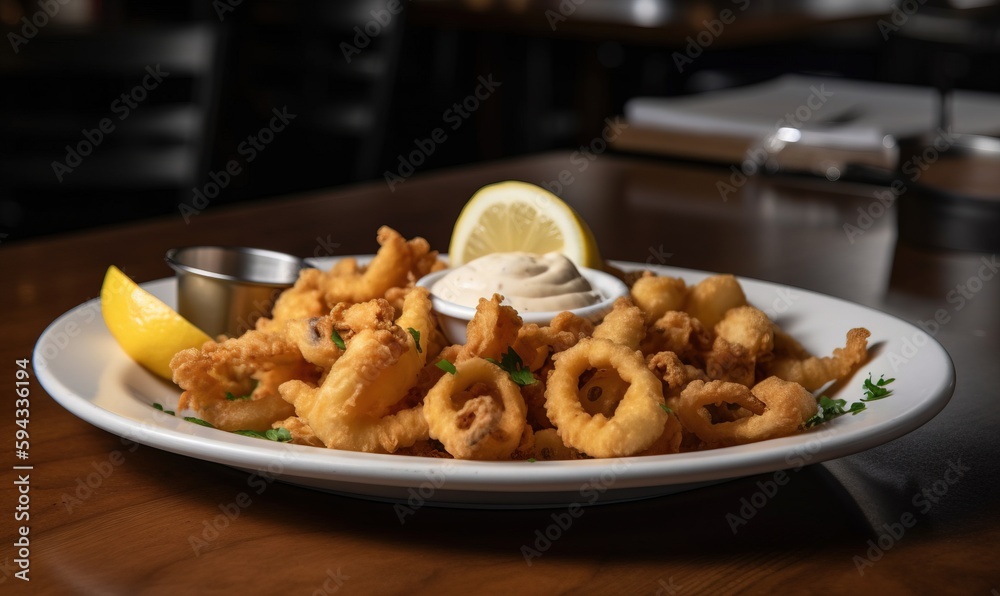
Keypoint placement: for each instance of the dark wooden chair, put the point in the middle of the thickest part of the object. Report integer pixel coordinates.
(105, 124)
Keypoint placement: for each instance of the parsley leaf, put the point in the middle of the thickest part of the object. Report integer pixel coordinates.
(514, 366)
(828, 410)
(160, 408)
(446, 366)
(832, 408)
(856, 407)
(531, 460)
(337, 340)
(416, 338)
(666, 409)
(876, 390)
(281, 435)
(198, 421)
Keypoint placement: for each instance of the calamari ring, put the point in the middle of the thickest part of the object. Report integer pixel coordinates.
(787, 406)
(639, 418)
(480, 428)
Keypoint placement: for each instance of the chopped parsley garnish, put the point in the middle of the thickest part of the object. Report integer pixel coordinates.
(828, 410)
(531, 460)
(416, 338)
(160, 408)
(876, 390)
(337, 340)
(198, 421)
(833, 408)
(446, 366)
(281, 435)
(666, 409)
(514, 366)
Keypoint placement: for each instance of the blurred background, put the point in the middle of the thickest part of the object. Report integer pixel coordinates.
(114, 110)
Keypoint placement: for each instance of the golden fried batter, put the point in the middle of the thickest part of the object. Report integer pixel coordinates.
(778, 408)
(812, 372)
(234, 384)
(656, 295)
(535, 344)
(674, 373)
(353, 358)
(624, 325)
(476, 413)
(491, 331)
(397, 263)
(710, 299)
(680, 333)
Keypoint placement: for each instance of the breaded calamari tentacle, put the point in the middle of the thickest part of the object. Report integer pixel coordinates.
(812, 372)
(776, 409)
(234, 384)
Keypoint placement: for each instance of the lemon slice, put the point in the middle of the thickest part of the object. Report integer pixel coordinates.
(517, 216)
(148, 330)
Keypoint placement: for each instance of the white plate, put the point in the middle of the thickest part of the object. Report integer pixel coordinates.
(80, 365)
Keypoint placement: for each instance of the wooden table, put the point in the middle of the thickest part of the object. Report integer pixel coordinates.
(132, 533)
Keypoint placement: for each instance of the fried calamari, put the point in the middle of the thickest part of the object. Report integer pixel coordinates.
(639, 417)
(476, 413)
(234, 384)
(354, 358)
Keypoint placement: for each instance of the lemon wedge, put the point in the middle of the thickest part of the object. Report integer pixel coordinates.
(148, 330)
(518, 216)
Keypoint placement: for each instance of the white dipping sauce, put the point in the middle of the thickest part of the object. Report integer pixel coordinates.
(528, 282)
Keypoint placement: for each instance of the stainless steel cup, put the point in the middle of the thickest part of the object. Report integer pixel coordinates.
(224, 290)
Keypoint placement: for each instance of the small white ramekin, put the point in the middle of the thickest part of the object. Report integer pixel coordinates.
(455, 317)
